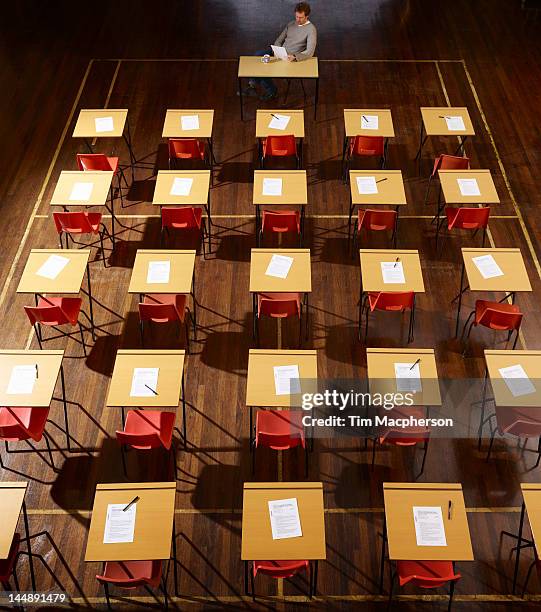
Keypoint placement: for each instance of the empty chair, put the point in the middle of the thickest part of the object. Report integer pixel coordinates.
(279, 569)
(280, 222)
(364, 146)
(496, 316)
(100, 162)
(55, 311)
(523, 423)
(186, 149)
(185, 218)
(399, 301)
(472, 219)
(446, 162)
(375, 221)
(146, 430)
(279, 146)
(279, 306)
(8, 566)
(166, 308)
(80, 223)
(132, 575)
(279, 430)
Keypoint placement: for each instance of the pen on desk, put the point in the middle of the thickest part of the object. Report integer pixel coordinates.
(443, 117)
(381, 180)
(365, 118)
(397, 260)
(418, 360)
(133, 501)
(449, 509)
(275, 116)
(153, 391)
(37, 371)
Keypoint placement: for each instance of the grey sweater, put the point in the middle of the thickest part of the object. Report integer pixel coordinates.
(299, 41)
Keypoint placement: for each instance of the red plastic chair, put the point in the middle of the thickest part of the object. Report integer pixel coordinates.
(279, 430)
(391, 301)
(403, 436)
(523, 423)
(8, 566)
(165, 308)
(132, 575)
(280, 569)
(100, 162)
(147, 430)
(426, 575)
(54, 311)
(496, 316)
(472, 219)
(446, 162)
(376, 221)
(188, 149)
(23, 424)
(279, 146)
(80, 223)
(279, 306)
(365, 146)
(186, 218)
(280, 222)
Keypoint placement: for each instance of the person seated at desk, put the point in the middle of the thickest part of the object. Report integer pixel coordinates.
(299, 38)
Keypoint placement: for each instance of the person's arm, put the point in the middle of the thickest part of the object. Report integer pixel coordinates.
(311, 42)
(280, 40)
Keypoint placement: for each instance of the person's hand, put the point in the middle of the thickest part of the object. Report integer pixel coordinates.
(290, 58)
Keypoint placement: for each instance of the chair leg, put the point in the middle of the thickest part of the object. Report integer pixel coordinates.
(391, 586)
(120, 190)
(492, 436)
(82, 338)
(102, 249)
(49, 450)
(424, 457)
(141, 332)
(123, 455)
(516, 339)
(528, 574)
(38, 334)
(106, 589)
(451, 593)
(538, 452)
(428, 189)
(187, 330)
(254, 450)
(252, 581)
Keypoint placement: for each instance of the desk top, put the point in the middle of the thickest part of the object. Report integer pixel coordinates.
(260, 387)
(252, 66)
(532, 499)
(69, 280)
(182, 264)
(530, 362)
(199, 192)
(382, 377)
(294, 189)
(68, 179)
(169, 387)
(353, 122)
(435, 124)
(451, 188)
(172, 126)
(389, 184)
(399, 501)
(299, 278)
(86, 122)
(295, 125)
(48, 367)
(257, 542)
(11, 501)
(510, 262)
(153, 522)
(372, 277)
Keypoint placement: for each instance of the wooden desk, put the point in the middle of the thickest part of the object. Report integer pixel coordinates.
(382, 378)
(172, 126)
(69, 280)
(294, 127)
(511, 263)
(529, 360)
(433, 123)
(252, 66)
(451, 189)
(353, 122)
(372, 278)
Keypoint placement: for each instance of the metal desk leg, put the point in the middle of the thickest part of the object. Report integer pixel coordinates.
(382, 563)
(184, 413)
(254, 323)
(460, 148)
(482, 419)
(462, 289)
(316, 98)
(175, 569)
(127, 139)
(112, 211)
(88, 145)
(194, 301)
(65, 407)
(257, 224)
(314, 592)
(30, 556)
(240, 99)
(351, 208)
(211, 149)
(521, 525)
(90, 303)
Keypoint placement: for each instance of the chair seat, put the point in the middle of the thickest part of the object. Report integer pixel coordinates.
(7, 565)
(285, 426)
(482, 305)
(177, 300)
(22, 423)
(426, 574)
(121, 573)
(197, 214)
(375, 304)
(279, 569)
(147, 422)
(521, 422)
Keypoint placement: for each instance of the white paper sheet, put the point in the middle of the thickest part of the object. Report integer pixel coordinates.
(429, 528)
(272, 186)
(22, 379)
(181, 186)
(189, 122)
(392, 272)
(81, 192)
(455, 123)
(408, 378)
(468, 187)
(367, 185)
(104, 124)
(279, 266)
(279, 52)
(286, 380)
(144, 382)
(487, 266)
(517, 380)
(284, 518)
(158, 271)
(369, 122)
(119, 525)
(52, 266)
(279, 122)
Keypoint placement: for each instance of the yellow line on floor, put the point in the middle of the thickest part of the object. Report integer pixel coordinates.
(110, 92)
(327, 61)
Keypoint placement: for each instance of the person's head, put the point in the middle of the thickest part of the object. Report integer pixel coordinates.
(302, 10)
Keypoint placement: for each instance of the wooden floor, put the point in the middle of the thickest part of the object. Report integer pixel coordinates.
(402, 55)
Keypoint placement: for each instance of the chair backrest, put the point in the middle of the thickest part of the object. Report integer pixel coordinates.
(377, 220)
(450, 162)
(521, 422)
(500, 319)
(407, 436)
(367, 145)
(47, 315)
(468, 218)
(279, 569)
(139, 440)
(280, 146)
(393, 300)
(184, 217)
(184, 148)
(13, 427)
(158, 313)
(130, 574)
(280, 221)
(93, 161)
(279, 308)
(279, 430)
(76, 222)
